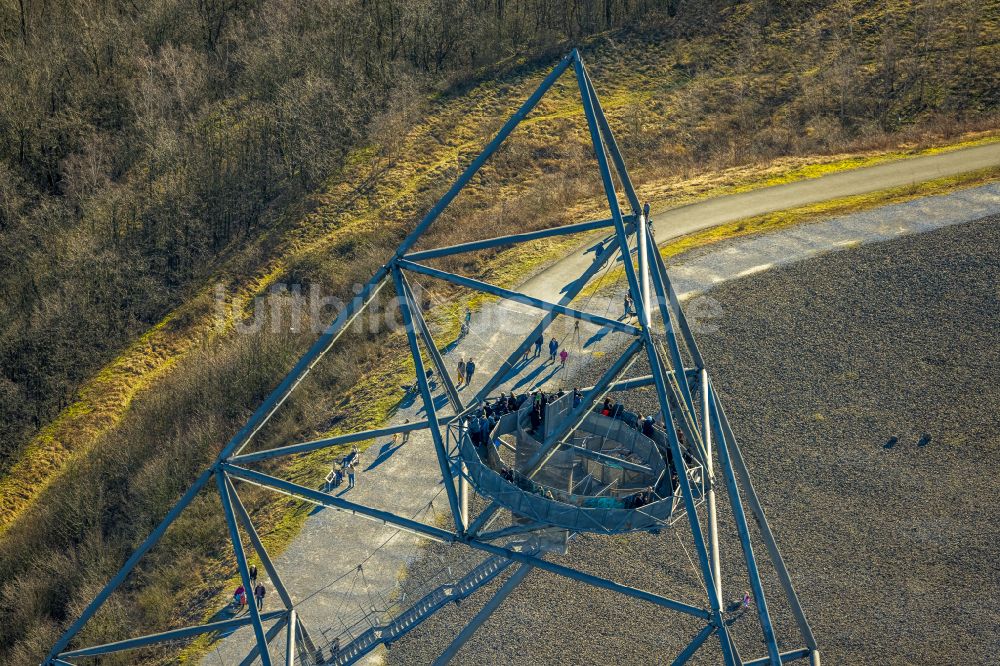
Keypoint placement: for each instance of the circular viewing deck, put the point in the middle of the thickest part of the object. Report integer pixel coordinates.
(608, 478)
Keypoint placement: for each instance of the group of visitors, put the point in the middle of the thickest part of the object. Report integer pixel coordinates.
(346, 467)
(539, 400)
(465, 372)
(554, 351)
(508, 474)
(240, 594)
(481, 422)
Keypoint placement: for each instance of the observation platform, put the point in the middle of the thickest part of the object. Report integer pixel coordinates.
(607, 477)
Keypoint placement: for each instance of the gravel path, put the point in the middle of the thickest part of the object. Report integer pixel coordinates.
(820, 364)
(684, 220)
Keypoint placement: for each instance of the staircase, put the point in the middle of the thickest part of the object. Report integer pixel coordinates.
(409, 619)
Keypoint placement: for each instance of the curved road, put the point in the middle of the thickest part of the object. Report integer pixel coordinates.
(693, 217)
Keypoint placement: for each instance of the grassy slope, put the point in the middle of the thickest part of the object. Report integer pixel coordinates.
(346, 219)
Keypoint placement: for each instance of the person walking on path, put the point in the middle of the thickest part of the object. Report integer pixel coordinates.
(253, 574)
(563, 355)
(258, 594)
(350, 473)
(553, 349)
(470, 368)
(468, 318)
(628, 305)
(538, 345)
(461, 371)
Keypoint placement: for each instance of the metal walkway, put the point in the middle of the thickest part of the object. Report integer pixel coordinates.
(430, 603)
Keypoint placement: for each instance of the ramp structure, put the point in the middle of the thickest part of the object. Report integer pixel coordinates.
(559, 469)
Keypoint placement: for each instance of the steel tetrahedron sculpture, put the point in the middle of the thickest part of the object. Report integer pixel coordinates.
(675, 462)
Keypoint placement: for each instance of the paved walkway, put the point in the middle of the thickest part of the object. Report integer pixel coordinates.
(320, 566)
(722, 210)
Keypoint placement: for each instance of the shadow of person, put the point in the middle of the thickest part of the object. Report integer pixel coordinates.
(541, 382)
(384, 454)
(528, 378)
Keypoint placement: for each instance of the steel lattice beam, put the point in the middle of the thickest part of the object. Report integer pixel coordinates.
(663, 376)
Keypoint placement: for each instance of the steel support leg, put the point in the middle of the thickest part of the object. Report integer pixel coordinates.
(241, 561)
(483, 519)
(739, 465)
(760, 600)
(609, 139)
(266, 410)
(325, 499)
(265, 559)
(463, 493)
(133, 559)
(644, 268)
(431, 347)
(167, 636)
(693, 646)
(713, 526)
(446, 476)
(490, 148)
(290, 638)
(675, 353)
(656, 370)
(673, 302)
(269, 636)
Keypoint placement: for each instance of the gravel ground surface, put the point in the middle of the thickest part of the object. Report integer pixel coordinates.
(820, 364)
